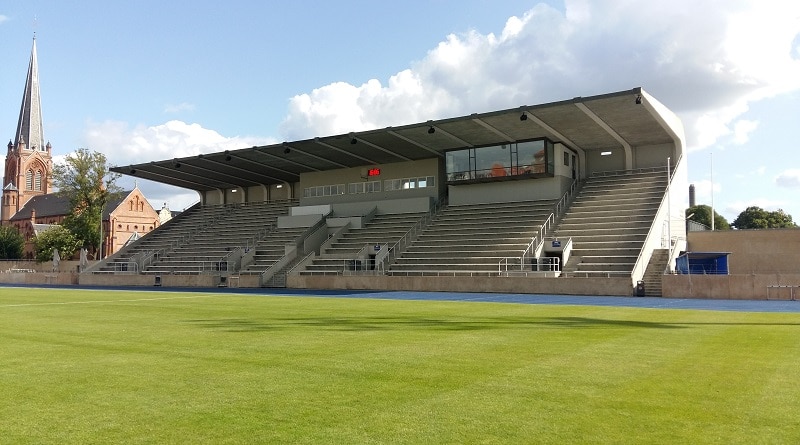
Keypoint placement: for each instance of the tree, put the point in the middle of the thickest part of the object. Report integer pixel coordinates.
(56, 237)
(85, 179)
(755, 217)
(12, 244)
(702, 214)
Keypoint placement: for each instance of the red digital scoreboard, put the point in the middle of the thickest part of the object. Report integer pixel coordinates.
(373, 172)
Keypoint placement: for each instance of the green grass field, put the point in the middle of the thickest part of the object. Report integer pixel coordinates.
(102, 367)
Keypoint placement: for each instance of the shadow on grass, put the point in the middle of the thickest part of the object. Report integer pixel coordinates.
(422, 323)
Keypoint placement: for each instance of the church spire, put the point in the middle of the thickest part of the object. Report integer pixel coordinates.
(29, 127)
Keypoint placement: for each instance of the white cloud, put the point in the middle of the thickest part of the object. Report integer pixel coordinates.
(124, 145)
(3, 18)
(178, 108)
(758, 171)
(702, 191)
(742, 129)
(789, 178)
(707, 60)
(736, 207)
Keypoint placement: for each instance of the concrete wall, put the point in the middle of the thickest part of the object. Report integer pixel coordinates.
(653, 155)
(597, 163)
(399, 170)
(752, 251)
(44, 278)
(731, 287)
(522, 285)
(561, 169)
(89, 279)
(508, 191)
(257, 193)
(282, 192)
(758, 259)
(402, 205)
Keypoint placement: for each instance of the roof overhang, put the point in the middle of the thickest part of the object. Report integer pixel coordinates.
(621, 119)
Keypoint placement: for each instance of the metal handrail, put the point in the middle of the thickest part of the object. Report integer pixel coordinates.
(300, 263)
(411, 233)
(630, 171)
(558, 210)
(640, 258)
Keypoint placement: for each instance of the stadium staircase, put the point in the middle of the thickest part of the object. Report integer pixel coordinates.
(271, 249)
(473, 239)
(655, 270)
(202, 239)
(382, 229)
(608, 222)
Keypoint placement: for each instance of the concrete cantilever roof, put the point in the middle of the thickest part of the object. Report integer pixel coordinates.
(623, 119)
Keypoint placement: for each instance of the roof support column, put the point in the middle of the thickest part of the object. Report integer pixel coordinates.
(564, 139)
(265, 188)
(626, 147)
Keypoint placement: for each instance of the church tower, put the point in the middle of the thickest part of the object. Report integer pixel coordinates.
(29, 162)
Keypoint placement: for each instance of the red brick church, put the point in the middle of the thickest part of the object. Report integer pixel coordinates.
(31, 205)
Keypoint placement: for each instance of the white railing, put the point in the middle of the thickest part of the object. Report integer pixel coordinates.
(400, 246)
(530, 246)
(558, 211)
(646, 251)
(127, 267)
(301, 264)
(656, 169)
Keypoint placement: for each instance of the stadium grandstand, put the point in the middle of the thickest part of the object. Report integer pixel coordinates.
(582, 196)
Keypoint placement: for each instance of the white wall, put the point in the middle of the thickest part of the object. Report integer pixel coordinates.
(561, 169)
(653, 155)
(508, 191)
(597, 163)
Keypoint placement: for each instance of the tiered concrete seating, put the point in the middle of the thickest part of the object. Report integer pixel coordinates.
(608, 222)
(271, 249)
(242, 225)
(382, 229)
(172, 234)
(474, 238)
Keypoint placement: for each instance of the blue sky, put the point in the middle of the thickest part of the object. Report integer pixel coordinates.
(151, 80)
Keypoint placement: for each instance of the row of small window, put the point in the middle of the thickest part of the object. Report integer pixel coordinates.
(369, 187)
(136, 227)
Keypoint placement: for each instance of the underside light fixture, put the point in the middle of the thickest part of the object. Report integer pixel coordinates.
(279, 186)
(353, 141)
(234, 190)
(228, 157)
(523, 117)
(177, 165)
(133, 171)
(287, 150)
(638, 99)
(605, 153)
(431, 130)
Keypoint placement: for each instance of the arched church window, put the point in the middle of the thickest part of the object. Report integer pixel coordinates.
(37, 181)
(130, 205)
(29, 180)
